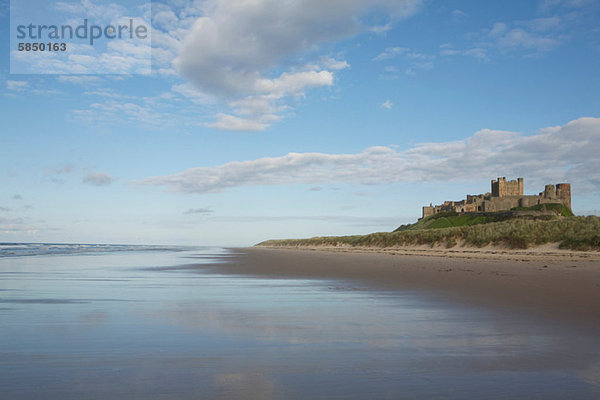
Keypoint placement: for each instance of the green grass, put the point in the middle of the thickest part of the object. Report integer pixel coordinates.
(454, 219)
(576, 233)
(556, 208)
(451, 219)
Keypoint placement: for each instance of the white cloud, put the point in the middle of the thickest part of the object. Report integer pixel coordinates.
(154, 112)
(186, 90)
(244, 61)
(416, 66)
(387, 104)
(390, 72)
(232, 123)
(79, 79)
(91, 9)
(171, 24)
(543, 24)
(198, 211)
(17, 85)
(416, 61)
(391, 52)
(523, 39)
(22, 225)
(257, 112)
(529, 38)
(459, 13)
(55, 172)
(121, 56)
(381, 29)
(98, 179)
(548, 5)
(565, 153)
(332, 63)
(164, 19)
(239, 49)
(293, 84)
(235, 41)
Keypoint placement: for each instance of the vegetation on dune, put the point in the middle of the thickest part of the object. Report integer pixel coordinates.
(576, 233)
(450, 219)
(555, 208)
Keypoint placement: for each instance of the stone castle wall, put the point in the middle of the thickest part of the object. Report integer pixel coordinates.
(501, 187)
(504, 196)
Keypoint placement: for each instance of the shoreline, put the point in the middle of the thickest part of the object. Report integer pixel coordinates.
(561, 290)
(546, 252)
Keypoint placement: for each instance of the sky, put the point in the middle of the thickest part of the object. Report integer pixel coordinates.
(250, 120)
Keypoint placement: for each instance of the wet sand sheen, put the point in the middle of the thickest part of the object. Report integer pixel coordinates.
(261, 323)
(559, 289)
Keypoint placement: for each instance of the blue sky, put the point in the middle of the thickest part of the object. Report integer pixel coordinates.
(270, 119)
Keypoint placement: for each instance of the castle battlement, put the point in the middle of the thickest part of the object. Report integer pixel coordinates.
(504, 196)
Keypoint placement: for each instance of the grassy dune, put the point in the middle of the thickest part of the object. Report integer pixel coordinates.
(450, 219)
(576, 233)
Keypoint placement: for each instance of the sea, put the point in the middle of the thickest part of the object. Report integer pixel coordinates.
(97, 321)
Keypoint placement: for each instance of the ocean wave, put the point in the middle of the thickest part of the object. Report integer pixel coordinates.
(37, 249)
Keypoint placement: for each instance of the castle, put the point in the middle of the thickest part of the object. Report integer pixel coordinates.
(505, 195)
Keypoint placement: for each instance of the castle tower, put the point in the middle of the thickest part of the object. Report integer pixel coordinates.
(549, 192)
(563, 192)
(502, 188)
(498, 187)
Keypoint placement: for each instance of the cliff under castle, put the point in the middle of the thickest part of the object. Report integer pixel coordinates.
(505, 195)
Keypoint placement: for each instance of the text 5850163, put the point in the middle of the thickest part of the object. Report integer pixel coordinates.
(50, 46)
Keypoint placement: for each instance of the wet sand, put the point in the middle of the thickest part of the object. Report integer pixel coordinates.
(217, 324)
(562, 289)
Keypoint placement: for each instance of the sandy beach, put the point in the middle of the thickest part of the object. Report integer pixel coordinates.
(562, 288)
(235, 324)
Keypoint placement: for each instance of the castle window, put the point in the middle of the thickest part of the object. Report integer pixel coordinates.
(479, 208)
